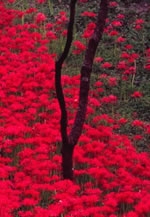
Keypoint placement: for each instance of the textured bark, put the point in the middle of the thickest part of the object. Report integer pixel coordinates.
(67, 161)
(86, 73)
(69, 141)
(67, 150)
(58, 67)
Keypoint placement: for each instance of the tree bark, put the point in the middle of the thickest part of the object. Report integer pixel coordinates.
(69, 141)
(67, 161)
(67, 150)
(58, 68)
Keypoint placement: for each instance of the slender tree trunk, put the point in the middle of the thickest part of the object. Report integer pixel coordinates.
(67, 149)
(69, 141)
(67, 161)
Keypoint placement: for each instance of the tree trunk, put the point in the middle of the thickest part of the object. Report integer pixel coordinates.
(67, 161)
(69, 141)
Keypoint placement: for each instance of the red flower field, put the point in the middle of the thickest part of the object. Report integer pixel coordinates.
(112, 179)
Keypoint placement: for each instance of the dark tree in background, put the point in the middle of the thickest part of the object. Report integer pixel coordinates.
(69, 141)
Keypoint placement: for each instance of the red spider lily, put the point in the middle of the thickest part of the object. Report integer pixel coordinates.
(147, 66)
(41, 1)
(137, 94)
(138, 27)
(88, 14)
(62, 18)
(120, 16)
(53, 210)
(98, 59)
(106, 65)
(80, 47)
(40, 18)
(143, 207)
(120, 39)
(104, 117)
(147, 129)
(112, 81)
(139, 24)
(134, 55)
(137, 123)
(122, 65)
(30, 10)
(113, 4)
(94, 102)
(125, 55)
(51, 35)
(11, 1)
(138, 137)
(122, 121)
(128, 46)
(131, 214)
(113, 33)
(109, 99)
(116, 23)
(98, 84)
(29, 202)
(139, 21)
(89, 30)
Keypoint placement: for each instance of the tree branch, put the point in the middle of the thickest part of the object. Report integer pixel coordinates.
(58, 68)
(86, 73)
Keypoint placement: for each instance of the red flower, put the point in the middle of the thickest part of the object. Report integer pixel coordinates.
(29, 202)
(138, 27)
(128, 46)
(80, 47)
(122, 65)
(138, 137)
(109, 99)
(134, 55)
(139, 21)
(131, 214)
(98, 59)
(40, 18)
(106, 65)
(122, 121)
(112, 81)
(116, 23)
(147, 128)
(89, 30)
(94, 102)
(147, 66)
(41, 1)
(137, 94)
(88, 14)
(98, 84)
(51, 35)
(143, 207)
(137, 123)
(113, 33)
(120, 39)
(113, 4)
(120, 16)
(11, 1)
(125, 55)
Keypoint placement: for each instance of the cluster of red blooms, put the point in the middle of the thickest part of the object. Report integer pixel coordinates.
(79, 47)
(88, 30)
(114, 178)
(127, 64)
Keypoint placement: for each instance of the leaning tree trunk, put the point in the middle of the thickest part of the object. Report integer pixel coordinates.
(69, 141)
